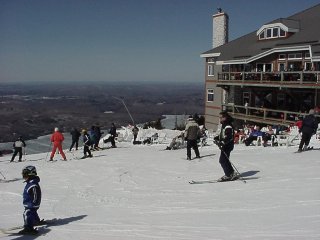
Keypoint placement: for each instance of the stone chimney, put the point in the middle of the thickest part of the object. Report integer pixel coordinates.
(220, 28)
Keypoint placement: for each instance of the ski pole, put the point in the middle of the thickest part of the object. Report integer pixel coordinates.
(240, 177)
(3, 175)
(24, 154)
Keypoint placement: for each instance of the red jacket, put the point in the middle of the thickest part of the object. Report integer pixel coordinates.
(299, 124)
(57, 137)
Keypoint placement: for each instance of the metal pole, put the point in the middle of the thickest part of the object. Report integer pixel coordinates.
(121, 100)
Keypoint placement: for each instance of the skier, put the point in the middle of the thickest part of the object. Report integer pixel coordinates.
(135, 132)
(75, 138)
(309, 127)
(86, 144)
(226, 144)
(31, 200)
(98, 134)
(93, 137)
(57, 139)
(191, 134)
(18, 145)
(113, 133)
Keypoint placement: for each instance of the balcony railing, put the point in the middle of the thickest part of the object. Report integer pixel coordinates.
(263, 115)
(279, 78)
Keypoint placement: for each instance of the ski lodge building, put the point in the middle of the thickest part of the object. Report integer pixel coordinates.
(269, 76)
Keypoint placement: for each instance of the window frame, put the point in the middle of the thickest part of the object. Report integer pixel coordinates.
(284, 56)
(272, 32)
(210, 94)
(210, 70)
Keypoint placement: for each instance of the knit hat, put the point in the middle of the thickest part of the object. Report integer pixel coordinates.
(56, 129)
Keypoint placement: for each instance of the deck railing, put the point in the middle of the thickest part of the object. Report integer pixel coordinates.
(282, 77)
(263, 115)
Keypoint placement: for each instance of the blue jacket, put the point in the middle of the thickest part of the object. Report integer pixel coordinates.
(257, 133)
(32, 193)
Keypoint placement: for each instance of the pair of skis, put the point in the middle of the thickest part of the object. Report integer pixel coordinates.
(13, 230)
(217, 180)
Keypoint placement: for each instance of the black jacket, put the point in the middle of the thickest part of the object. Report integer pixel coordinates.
(309, 124)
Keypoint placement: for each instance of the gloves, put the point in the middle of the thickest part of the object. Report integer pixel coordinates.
(221, 144)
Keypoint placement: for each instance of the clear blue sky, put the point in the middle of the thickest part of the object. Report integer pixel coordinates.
(121, 40)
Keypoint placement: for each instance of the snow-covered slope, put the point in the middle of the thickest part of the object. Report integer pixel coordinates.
(141, 192)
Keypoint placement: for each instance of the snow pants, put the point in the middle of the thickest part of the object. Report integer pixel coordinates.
(59, 146)
(192, 144)
(86, 150)
(16, 151)
(305, 140)
(225, 162)
(75, 142)
(30, 217)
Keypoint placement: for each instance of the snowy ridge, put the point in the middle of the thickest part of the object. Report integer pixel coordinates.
(140, 192)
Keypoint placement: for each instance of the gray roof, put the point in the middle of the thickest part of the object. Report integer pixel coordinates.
(249, 46)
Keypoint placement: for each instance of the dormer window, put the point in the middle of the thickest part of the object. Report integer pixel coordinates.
(282, 33)
(275, 32)
(278, 30)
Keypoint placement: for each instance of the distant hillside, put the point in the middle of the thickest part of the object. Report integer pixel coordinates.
(33, 110)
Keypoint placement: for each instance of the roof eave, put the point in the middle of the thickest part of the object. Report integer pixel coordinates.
(208, 55)
(264, 54)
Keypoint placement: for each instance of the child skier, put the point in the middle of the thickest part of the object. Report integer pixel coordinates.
(31, 200)
(225, 143)
(86, 144)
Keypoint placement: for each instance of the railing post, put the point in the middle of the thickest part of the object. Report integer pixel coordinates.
(284, 116)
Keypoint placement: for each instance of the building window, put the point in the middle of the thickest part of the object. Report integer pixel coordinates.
(307, 66)
(264, 67)
(274, 32)
(295, 56)
(282, 56)
(210, 70)
(269, 30)
(210, 95)
(282, 67)
(307, 55)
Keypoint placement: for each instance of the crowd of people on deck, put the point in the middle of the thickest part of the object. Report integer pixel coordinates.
(268, 135)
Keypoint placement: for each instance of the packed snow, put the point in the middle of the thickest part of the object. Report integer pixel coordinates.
(142, 192)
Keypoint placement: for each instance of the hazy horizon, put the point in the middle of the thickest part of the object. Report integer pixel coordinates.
(143, 40)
